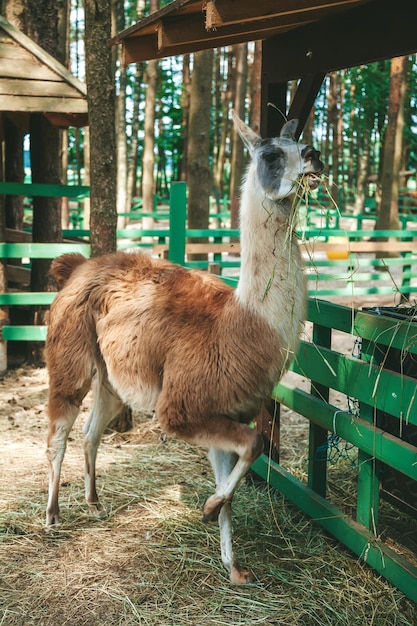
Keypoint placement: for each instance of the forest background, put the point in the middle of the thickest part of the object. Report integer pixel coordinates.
(162, 121)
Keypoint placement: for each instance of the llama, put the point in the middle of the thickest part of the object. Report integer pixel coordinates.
(154, 335)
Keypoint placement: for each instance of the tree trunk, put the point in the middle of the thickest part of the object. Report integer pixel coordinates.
(237, 144)
(101, 112)
(362, 169)
(65, 207)
(132, 162)
(45, 143)
(185, 105)
(86, 152)
(118, 24)
(352, 172)
(339, 141)
(148, 160)
(121, 147)
(333, 113)
(388, 208)
(199, 174)
(219, 178)
(13, 171)
(255, 77)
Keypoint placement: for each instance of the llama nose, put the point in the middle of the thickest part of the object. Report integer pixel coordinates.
(312, 158)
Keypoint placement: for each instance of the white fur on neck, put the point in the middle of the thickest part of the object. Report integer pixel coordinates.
(271, 283)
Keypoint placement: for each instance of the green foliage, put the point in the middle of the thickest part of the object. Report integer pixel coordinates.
(362, 105)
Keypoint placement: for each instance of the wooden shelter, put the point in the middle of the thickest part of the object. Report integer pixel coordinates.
(301, 40)
(32, 81)
(304, 40)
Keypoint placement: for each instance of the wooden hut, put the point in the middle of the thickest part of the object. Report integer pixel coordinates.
(32, 81)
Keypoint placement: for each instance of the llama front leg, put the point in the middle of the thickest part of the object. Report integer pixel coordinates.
(217, 432)
(248, 446)
(223, 463)
(228, 440)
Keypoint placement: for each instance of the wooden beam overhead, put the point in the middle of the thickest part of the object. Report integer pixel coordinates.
(371, 32)
(168, 39)
(222, 12)
(189, 25)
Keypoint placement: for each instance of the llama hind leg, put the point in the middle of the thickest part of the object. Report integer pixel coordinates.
(106, 406)
(62, 415)
(223, 463)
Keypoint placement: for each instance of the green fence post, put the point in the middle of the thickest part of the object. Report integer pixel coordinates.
(367, 504)
(177, 222)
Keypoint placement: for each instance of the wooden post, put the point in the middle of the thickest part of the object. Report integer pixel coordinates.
(4, 310)
(268, 424)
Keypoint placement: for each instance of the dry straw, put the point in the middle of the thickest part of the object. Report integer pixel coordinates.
(153, 562)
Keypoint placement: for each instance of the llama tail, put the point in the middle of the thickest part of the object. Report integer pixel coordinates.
(63, 266)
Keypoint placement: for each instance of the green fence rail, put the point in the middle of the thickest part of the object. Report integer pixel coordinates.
(375, 387)
(353, 276)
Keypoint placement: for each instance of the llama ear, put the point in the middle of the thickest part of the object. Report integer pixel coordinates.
(249, 137)
(288, 130)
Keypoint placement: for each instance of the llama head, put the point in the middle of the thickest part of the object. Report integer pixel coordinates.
(281, 163)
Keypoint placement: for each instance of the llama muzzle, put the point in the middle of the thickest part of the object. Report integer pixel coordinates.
(313, 166)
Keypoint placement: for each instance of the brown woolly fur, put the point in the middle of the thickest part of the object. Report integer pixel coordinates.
(131, 307)
(156, 336)
(62, 267)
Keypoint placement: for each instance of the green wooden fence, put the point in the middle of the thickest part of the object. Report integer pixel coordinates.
(356, 275)
(32, 251)
(52, 250)
(376, 388)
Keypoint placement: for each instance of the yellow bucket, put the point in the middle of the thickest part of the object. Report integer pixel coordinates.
(338, 255)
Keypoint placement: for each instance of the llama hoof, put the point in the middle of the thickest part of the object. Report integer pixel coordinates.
(50, 528)
(212, 508)
(240, 576)
(98, 510)
(52, 521)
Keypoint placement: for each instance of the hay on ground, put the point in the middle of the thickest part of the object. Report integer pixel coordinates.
(153, 561)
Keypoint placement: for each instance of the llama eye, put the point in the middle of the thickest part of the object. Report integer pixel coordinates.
(272, 157)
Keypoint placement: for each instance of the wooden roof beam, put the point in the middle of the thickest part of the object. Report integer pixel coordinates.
(140, 49)
(222, 12)
(367, 33)
(190, 29)
(174, 35)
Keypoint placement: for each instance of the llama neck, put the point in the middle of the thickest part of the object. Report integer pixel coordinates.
(272, 282)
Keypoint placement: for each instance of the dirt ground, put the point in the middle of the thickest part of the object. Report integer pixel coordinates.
(153, 561)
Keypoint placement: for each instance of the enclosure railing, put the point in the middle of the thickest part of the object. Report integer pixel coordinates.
(377, 389)
(335, 259)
